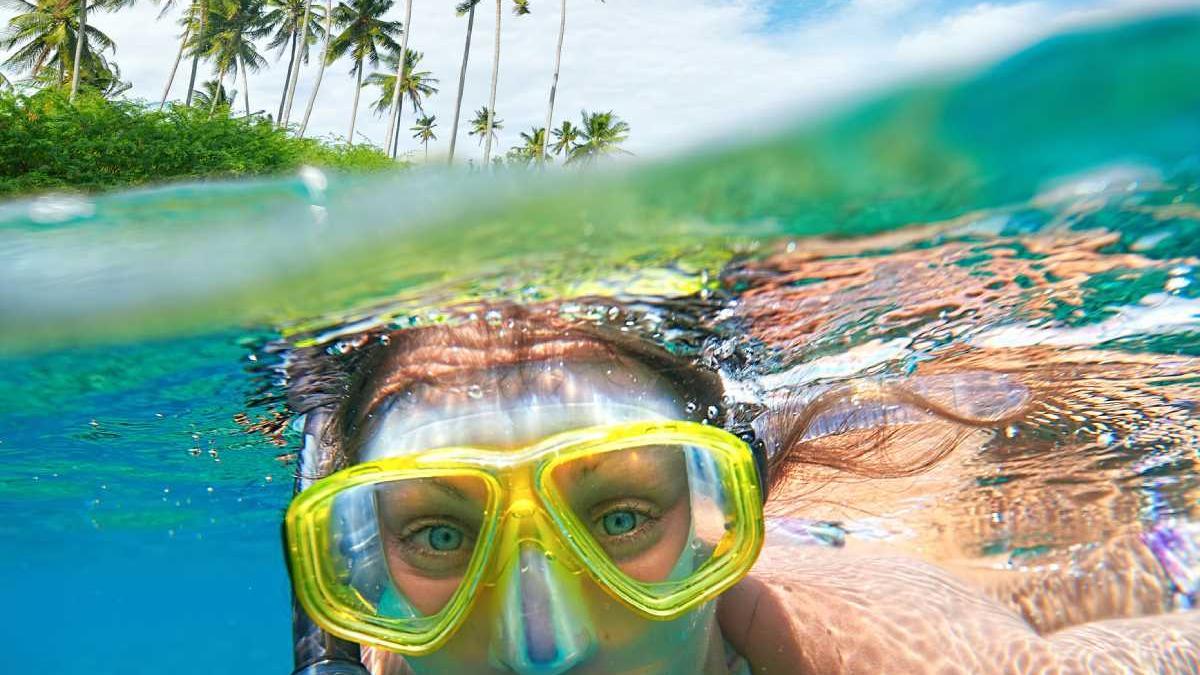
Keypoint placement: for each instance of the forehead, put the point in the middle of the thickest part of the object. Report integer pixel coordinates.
(517, 406)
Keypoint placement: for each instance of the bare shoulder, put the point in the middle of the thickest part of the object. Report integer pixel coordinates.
(817, 610)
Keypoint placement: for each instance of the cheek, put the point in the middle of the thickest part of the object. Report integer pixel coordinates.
(629, 642)
(427, 595)
(656, 563)
(466, 652)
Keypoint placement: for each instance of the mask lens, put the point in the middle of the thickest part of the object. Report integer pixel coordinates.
(405, 546)
(658, 512)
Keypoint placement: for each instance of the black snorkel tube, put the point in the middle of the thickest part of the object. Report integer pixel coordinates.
(316, 652)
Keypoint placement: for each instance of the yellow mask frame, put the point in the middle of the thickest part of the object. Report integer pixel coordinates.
(341, 611)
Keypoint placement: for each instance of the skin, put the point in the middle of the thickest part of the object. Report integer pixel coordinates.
(812, 610)
(644, 485)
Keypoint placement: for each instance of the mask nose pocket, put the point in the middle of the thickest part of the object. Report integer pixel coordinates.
(544, 628)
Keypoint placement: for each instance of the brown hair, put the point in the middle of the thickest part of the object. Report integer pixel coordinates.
(349, 379)
(800, 446)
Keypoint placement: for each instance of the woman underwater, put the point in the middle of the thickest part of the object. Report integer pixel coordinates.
(524, 493)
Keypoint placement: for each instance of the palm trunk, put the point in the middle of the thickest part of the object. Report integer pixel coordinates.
(396, 139)
(487, 145)
(357, 90)
(175, 68)
(212, 107)
(287, 80)
(41, 63)
(295, 74)
(426, 151)
(462, 79)
(245, 84)
(562, 30)
(312, 98)
(203, 11)
(192, 80)
(393, 134)
(80, 39)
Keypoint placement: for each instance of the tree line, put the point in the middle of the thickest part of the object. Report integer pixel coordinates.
(52, 45)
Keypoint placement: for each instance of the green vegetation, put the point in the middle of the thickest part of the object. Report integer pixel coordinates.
(65, 121)
(49, 143)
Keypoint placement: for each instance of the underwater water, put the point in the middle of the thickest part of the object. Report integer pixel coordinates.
(1038, 219)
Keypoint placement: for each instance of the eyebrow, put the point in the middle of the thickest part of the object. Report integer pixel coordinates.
(449, 489)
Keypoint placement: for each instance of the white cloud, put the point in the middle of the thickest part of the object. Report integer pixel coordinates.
(679, 71)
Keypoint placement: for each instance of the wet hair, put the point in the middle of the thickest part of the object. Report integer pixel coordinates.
(839, 430)
(863, 429)
(351, 380)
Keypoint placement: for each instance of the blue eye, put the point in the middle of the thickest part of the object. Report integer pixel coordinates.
(444, 538)
(620, 522)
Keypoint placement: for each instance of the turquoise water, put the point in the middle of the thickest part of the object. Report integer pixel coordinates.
(141, 528)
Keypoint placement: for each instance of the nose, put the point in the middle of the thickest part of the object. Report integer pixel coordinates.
(544, 627)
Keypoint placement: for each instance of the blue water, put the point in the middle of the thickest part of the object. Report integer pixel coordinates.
(141, 521)
(126, 550)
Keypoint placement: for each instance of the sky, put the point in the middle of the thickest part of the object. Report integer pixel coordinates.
(681, 72)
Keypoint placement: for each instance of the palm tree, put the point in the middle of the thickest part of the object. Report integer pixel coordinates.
(416, 85)
(44, 35)
(602, 134)
(195, 38)
(233, 27)
(423, 131)
(80, 46)
(187, 22)
(310, 31)
(562, 30)
(484, 124)
(530, 149)
(491, 107)
(566, 137)
(296, 24)
(466, 7)
(365, 32)
(393, 132)
(520, 8)
(214, 95)
(312, 98)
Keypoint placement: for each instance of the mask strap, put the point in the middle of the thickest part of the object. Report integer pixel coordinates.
(316, 652)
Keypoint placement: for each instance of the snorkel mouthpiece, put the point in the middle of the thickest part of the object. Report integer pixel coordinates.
(544, 625)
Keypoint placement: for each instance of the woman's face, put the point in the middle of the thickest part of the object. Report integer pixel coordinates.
(537, 613)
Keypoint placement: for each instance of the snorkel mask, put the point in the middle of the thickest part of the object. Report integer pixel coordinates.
(471, 521)
(664, 516)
